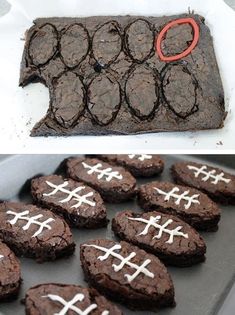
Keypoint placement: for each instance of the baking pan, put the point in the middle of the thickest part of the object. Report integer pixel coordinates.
(200, 290)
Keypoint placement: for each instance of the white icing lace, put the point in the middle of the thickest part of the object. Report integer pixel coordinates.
(107, 173)
(124, 261)
(30, 220)
(153, 222)
(179, 197)
(210, 175)
(140, 157)
(70, 305)
(71, 195)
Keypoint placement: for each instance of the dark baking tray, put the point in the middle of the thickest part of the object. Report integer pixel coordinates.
(200, 290)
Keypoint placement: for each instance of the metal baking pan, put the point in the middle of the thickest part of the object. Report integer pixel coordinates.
(200, 290)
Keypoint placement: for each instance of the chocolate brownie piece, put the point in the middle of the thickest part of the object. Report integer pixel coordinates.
(10, 272)
(190, 204)
(216, 183)
(114, 183)
(124, 74)
(127, 274)
(34, 232)
(139, 165)
(79, 204)
(51, 298)
(166, 236)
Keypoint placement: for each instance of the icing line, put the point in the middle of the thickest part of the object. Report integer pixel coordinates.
(180, 197)
(108, 173)
(210, 175)
(124, 261)
(72, 195)
(30, 220)
(153, 222)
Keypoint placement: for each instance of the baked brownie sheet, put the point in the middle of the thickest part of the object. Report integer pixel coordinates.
(105, 76)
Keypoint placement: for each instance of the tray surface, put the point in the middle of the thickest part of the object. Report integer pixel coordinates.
(200, 289)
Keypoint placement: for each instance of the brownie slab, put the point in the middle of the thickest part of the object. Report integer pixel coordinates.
(190, 204)
(127, 274)
(80, 205)
(166, 236)
(106, 75)
(216, 183)
(139, 165)
(114, 183)
(10, 273)
(34, 232)
(51, 298)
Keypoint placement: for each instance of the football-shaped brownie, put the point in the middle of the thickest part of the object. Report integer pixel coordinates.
(45, 299)
(139, 165)
(190, 204)
(127, 274)
(166, 236)
(79, 204)
(34, 232)
(114, 183)
(218, 184)
(9, 273)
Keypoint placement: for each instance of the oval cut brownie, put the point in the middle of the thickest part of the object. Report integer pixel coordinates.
(218, 184)
(190, 204)
(79, 204)
(139, 165)
(114, 183)
(34, 232)
(9, 273)
(51, 298)
(127, 274)
(166, 236)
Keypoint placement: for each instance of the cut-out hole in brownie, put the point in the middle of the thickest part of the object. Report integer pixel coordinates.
(43, 44)
(104, 98)
(180, 88)
(177, 39)
(139, 40)
(107, 43)
(68, 99)
(74, 45)
(142, 91)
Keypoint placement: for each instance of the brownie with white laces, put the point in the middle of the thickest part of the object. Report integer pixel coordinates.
(139, 165)
(127, 274)
(34, 232)
(114, 183)
(169, 238)
(189, 204)
(55, 298)
(80, 205)
(213, 181)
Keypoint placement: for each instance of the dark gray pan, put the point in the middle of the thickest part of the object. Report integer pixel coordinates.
(200, 290)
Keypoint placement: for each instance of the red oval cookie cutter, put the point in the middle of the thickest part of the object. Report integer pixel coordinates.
(186, 52)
